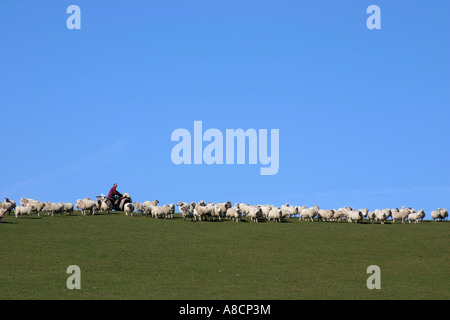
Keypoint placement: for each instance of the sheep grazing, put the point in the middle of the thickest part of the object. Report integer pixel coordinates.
(128, 208)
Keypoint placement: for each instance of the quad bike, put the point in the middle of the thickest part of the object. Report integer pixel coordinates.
(118, 203)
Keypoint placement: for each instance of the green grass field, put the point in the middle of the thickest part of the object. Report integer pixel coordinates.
(123, 257)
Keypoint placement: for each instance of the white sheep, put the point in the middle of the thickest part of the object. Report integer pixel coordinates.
(106, 205)
(2, 213)
(23, 210)
(401, 214)
(284, 210)
(439, 214)
(326, 215)
(218, 212)
(357, 216)
(37, 206)
(338, 216)
(254, 213)
(86, 205)
(8, 205)
(275, 214)
(309, 213)
(382, 215)
(139, 207)
(147, 210)
(151, 203)
(186, 211)
(54, 208)
(265, 209)
(300, 208)
(68, 207)
(372, 215)
(443, 213)
(24, 201)
(161, 212)
(128, 208)
(416, 216)
(234, 213)
(203, 210)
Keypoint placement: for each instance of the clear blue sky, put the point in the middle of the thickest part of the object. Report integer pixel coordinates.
(363, 114)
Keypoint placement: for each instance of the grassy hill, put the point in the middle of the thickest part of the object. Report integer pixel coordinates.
(123, 257)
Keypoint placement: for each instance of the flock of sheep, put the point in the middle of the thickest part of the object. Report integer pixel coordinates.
(213, 211)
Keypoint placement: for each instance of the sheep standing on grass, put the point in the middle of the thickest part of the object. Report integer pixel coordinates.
(106, 205)
(357, 216)
(203, 210)
(2, 213)
(234, 213)
(86, 205)
(443, 213)
(416, 216)
(439, 214)
(309, 213)
(254, 213)
(139, 207)
(8, 205)
(401, 214)
(265, 209)
(37, 206)
(217, 212)
(186, 211)
(382, 215)
(326, 215)
(53, 208)
(23, 210)
(68, 208)
(128, 208)
(275, 214)
(161, 212)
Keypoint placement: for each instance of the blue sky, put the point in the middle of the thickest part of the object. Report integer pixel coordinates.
(363, 114)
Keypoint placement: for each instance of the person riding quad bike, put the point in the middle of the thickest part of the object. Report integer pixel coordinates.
(118, 200)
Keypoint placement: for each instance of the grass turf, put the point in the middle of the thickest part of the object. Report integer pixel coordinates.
(123, 257)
